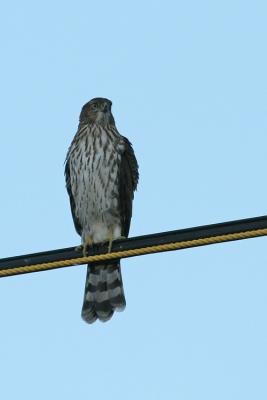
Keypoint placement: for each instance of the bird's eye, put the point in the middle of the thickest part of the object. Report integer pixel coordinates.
(94, 107)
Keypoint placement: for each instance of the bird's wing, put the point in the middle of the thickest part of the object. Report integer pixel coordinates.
(72, 202)
(128, 179)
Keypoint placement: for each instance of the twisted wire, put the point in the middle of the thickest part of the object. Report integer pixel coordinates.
(134, 252)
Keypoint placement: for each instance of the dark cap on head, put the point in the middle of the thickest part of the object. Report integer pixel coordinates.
(97, 110)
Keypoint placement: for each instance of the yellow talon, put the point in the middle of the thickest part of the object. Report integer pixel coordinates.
(89, 242)
(86, 244)
(111, 239)
(79, 248)
(110, 243)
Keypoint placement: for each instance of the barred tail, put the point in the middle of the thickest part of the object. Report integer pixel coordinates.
(103, 292)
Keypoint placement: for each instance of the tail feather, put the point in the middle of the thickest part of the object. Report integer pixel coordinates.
(103, 292)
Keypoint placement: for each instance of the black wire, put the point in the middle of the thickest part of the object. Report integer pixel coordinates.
(199, 232)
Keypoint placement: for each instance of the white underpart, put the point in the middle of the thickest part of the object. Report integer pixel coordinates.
(95, 183)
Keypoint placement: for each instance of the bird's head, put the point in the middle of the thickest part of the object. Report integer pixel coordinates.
(97, 111)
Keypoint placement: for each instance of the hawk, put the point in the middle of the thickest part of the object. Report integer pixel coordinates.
(101, 174)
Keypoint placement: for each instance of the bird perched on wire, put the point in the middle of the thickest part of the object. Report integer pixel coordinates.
(101, 174)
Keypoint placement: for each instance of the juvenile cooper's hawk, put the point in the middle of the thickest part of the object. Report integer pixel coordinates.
(101, 176)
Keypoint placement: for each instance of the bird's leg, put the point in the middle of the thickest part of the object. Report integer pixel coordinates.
(86, 244)
(111, 239)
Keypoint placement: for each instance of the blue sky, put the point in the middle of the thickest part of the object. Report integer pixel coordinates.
(188, 85)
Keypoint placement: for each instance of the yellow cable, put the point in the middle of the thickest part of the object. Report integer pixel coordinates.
(135, 252)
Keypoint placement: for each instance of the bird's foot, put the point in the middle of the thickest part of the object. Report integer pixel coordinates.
(85, 246)
(79, 248)
(121, 237)
(87, 243)
(111, 240)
